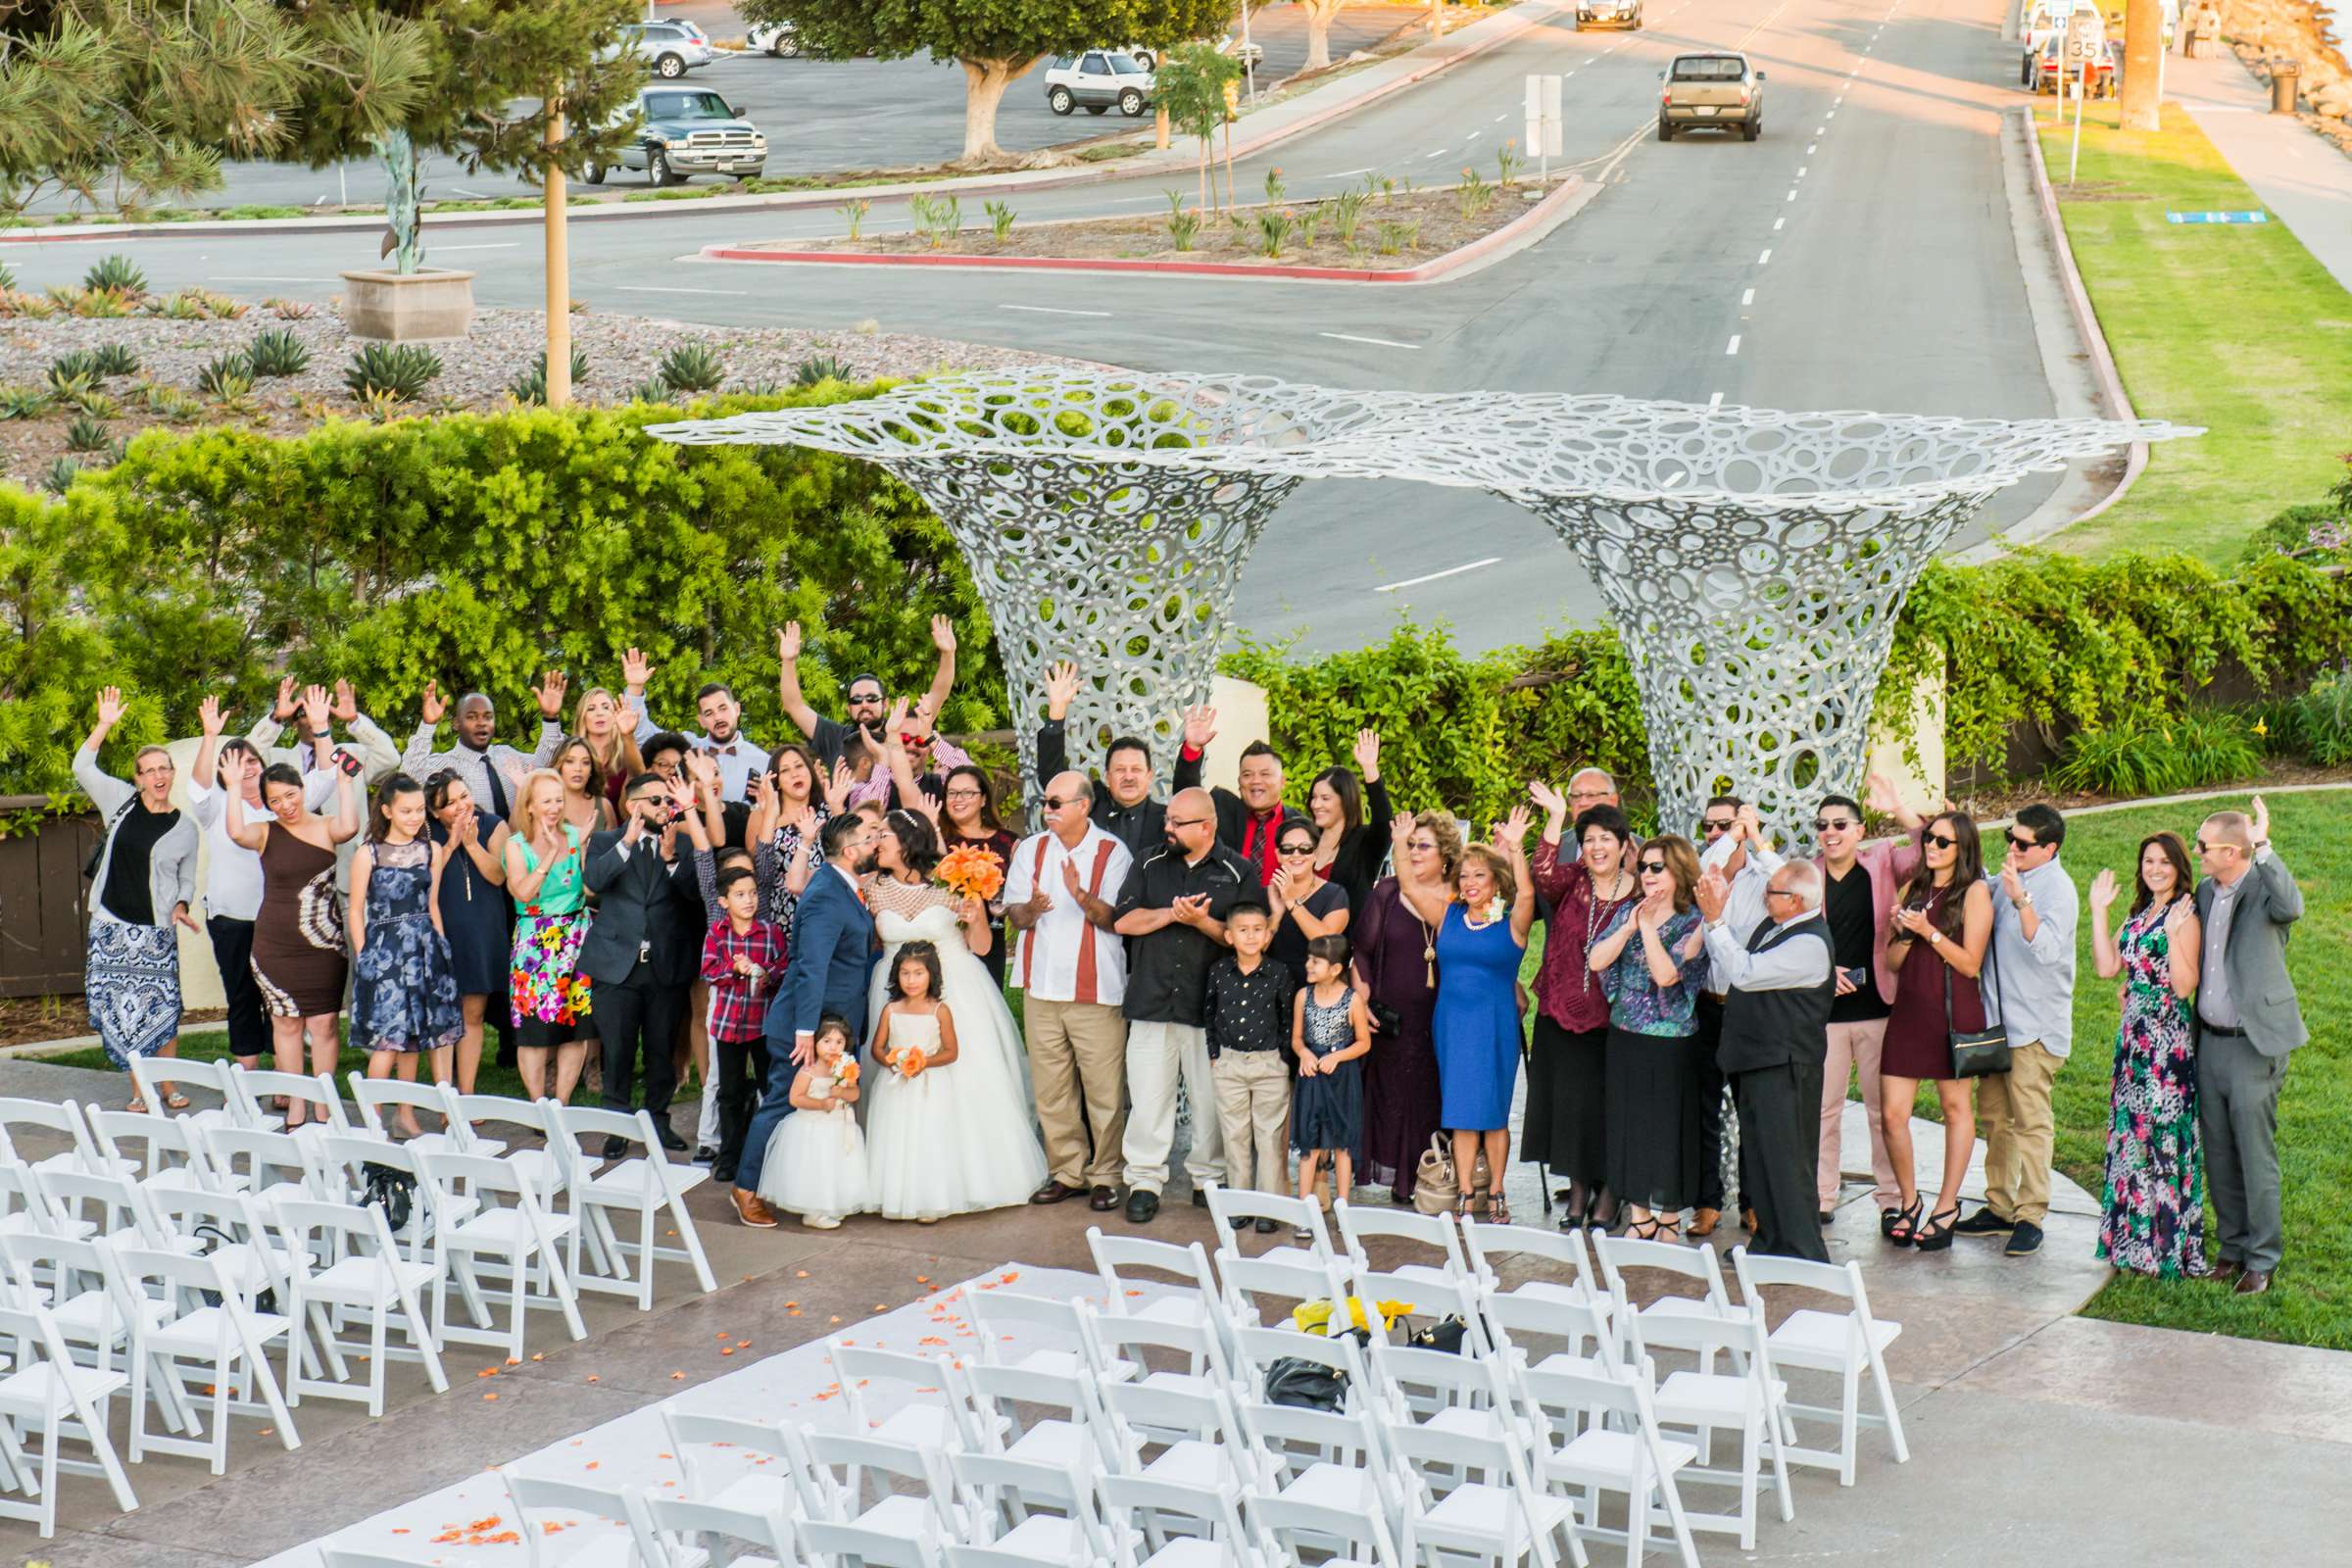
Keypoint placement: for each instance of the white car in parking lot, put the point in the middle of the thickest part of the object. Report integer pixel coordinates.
(670, 48)
(776, 38)
(1098, 80)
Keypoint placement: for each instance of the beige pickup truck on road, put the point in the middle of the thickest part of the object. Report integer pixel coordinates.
(1718, 90)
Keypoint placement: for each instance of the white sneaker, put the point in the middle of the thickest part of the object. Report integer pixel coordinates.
(821, 1222)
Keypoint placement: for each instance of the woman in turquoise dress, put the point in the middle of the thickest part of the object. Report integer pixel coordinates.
(2154, 1220)
(547, 992)
(1482, 922)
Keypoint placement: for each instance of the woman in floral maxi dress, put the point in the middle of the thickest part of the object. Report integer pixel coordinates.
(2154, 1218)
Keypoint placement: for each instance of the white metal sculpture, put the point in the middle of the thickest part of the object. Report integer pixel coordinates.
(1757, 561)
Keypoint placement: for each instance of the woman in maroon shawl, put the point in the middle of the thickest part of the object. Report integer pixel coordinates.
(1396, 956)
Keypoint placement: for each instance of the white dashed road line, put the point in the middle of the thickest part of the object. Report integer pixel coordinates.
(1433, 576)
(1049, 310)
(649, 288)
(1733, 347)
(1345, 337)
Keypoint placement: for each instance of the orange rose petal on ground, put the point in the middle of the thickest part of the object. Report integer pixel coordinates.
(677, 1377)
(491, 1396)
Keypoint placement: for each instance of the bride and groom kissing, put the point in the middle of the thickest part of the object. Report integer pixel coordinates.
(872, 935)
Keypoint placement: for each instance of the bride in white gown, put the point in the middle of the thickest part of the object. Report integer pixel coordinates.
(961, 1138)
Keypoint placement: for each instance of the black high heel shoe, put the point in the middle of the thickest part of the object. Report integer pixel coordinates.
(1901, 1226)
(1937, 1233)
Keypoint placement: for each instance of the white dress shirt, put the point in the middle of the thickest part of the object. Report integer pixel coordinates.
(739, 760)
(1044, 957)
(1800, 962)
(1745, 910)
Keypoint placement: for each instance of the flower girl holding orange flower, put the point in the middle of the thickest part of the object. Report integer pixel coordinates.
(817, 1161)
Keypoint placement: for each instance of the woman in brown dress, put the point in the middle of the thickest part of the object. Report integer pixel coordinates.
(299, 959)
(1935, 945)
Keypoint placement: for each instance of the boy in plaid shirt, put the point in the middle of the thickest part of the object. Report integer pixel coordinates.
(743, 959)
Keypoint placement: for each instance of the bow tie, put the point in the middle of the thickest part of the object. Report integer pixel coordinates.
(727, 750)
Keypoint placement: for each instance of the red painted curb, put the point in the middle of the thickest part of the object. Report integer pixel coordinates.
(1429, 270)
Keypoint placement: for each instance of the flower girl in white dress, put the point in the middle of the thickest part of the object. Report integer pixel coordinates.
(817, 1161)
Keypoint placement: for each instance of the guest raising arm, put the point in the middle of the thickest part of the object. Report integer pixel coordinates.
(491, 770)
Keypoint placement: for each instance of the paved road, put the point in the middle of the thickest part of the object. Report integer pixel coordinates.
(1858, 256)
(820, 114)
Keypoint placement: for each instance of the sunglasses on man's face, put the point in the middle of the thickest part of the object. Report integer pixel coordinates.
(1943, 840)
(1711, 827)
(2204, 847)
(866, 699)
(1833, 825)
(1185, 821)
(2019, 841)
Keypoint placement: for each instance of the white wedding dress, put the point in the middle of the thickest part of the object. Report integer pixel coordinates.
(961, 1138)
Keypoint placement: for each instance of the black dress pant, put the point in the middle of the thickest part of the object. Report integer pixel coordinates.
(1706, 1088)
(739, 1073)
(637, 1016)
(248, 1024)
(1780, 1136)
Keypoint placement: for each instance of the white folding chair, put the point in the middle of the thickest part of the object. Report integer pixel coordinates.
(1007, 1400)
(160, 1150)
(1521, 1325)
(1354, 1539)
(342, 1260)
(509, 1230)
(1435, 1234)
(527, 1117)
(1192, 1420)
(869, 1546)
(1747, 1405)
(83, 1287)
(998, 1492)
(1618, 1450)
(1845, 1344)
(372, 1094)
(1004, 1316)
(546, 1507)
(1212, 1531)
(48, 1396)
(691, 1529)
(148, 1075)
(732, 1462)
(58, 1118)
(835, 1467)
(1667, 1322)
(645, 1189)
(315, 1089)
(229, 1228)
(215, 1326)
(1450, 1391)
(1110, 1336)
(340, 1162)
(1433, 1297)
(1158, 1281)
(85, 1204)
(1298, 1276)
(932, 1417)
(263, 1165)
(1325, 1459)
(26, 1207)
(1473, 1493)
(1293, 1214)
(1564, 1251)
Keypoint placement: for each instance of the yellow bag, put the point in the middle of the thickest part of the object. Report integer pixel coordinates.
(1314, 1317)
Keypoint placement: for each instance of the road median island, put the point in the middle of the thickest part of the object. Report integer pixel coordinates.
(1372, 237)
(2231, 325)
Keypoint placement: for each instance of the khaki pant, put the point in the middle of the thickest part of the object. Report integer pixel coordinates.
(1855, 1048)
(1078, 1052)
(1158, 1055)
(1254, 1104)
(2013, 1113)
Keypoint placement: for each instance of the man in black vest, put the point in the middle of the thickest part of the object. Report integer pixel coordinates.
(1776, 1013)
(644, 947)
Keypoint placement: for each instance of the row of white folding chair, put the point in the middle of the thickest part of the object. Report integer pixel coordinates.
(49, 1395)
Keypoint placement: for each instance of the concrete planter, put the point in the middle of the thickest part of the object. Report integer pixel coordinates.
(407, 307)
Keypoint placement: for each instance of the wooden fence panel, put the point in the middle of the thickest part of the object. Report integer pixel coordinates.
(42, 916)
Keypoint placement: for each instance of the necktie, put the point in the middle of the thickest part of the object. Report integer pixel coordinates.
(498, 786)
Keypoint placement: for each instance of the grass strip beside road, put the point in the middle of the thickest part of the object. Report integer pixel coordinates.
(2236, 328)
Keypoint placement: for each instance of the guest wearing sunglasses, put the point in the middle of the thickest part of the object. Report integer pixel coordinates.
(2035, 913)
(1937, 942)
(1652, 963)
(1303, 906)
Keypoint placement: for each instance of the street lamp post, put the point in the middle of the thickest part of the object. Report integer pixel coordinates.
(558, 379)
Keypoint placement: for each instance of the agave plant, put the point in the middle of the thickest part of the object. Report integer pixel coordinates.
(382, 405)
(291, 309)
(171, 403)
(226, 375)
(115, 359)
(58, 478)
(102, 305)
(8, 278)
(818, 368)
(77, 367)
(176, 308)
(22, 401)
(531, 385)
(86, 434)
(116, 275)
(99, 405)
(652, 390)
(220, 307)
(399, 371)
(692, 367)
(277, 352)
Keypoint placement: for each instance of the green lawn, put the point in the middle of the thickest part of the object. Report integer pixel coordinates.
(2236, 328)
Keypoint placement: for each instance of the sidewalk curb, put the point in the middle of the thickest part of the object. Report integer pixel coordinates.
(1511, 24)
(1527, 227)
(2087, 321)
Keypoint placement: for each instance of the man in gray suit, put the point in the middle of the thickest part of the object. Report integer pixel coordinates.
(2247, 1021)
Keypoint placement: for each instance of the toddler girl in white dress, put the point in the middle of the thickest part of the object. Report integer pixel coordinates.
(817, 1161)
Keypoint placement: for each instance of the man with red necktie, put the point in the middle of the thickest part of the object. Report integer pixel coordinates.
(1250, 823)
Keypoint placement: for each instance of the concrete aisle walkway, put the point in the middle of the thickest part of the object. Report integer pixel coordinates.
(2305, 182)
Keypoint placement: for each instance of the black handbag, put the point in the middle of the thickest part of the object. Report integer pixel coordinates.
(1978, 1053)
(392, 1191)
(1447, 1335)
(1305, 1385)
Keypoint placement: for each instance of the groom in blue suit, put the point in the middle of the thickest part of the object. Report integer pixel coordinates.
(828, 970)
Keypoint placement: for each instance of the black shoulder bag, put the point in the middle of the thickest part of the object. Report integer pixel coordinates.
(1979, 1053)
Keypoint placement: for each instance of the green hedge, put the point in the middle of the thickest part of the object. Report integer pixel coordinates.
(476, 549)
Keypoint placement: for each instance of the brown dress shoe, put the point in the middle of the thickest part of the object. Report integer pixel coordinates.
(2253, 1281)
(1103, 1200)
(2227, 1269)
(1704, 1221)
(1053, 1193)
(752, 1211)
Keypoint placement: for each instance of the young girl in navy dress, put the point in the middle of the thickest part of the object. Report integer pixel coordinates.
(1331, 1033)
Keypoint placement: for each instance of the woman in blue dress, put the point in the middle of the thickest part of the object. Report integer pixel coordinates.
(1482, 921)
(476, 914)
(403, 997)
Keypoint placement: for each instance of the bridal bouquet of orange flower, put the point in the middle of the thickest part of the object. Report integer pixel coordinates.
(971, 872)
(845, 1071)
